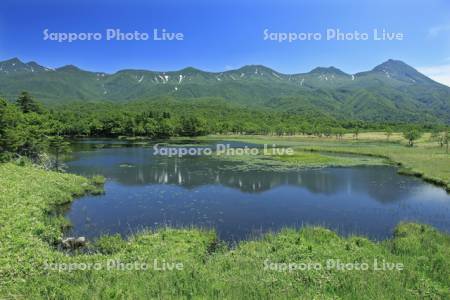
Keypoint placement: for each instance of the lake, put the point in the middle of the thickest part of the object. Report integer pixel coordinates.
(148, 191)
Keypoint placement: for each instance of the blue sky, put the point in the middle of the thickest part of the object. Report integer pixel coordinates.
(220, 35)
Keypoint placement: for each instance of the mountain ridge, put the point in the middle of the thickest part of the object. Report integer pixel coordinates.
(391, 91)
(314, 70)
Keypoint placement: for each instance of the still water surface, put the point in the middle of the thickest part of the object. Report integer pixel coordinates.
(147, 191)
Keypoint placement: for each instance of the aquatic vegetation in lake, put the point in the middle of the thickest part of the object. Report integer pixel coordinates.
(300, 160)
(425, 159)
(127, 165)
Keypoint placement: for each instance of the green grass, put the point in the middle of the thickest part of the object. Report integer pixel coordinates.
(210, 269)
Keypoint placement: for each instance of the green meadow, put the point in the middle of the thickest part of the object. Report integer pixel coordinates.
(189, 263)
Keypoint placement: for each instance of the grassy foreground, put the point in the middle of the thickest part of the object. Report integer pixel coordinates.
(253, 270)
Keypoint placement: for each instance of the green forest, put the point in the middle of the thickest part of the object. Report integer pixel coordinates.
(29, 128)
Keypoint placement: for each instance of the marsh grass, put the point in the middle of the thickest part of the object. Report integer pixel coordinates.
(299, 160)
(426, 159)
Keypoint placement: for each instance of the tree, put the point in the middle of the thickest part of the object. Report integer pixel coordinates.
(27, 104)
(339, 132)
(442, 138)
(58, 146)
(22, 134)
(445, 138)
(356, 132)
(10, 135)
(388, 132)
(327, 131)
(412, 134)
(192, 126)
(317, 130)
(151, 128)
(33, 131)
(165, 128)
(437, 136)
(279, 130)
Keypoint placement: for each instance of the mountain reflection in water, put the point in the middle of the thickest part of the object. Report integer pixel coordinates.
(149, 191)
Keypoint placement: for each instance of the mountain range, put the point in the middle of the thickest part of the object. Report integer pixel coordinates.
(392, 91)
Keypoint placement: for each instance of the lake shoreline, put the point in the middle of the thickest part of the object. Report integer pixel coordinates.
(200, 251)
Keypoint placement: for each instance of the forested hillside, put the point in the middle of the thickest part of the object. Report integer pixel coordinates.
(392, 91)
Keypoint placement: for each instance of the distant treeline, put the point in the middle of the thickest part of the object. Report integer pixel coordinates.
(162, 118)
(27, 127)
